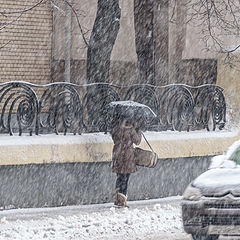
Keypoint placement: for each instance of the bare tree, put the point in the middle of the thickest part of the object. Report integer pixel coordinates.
(103, 36)
(143, 21)
(217, 20)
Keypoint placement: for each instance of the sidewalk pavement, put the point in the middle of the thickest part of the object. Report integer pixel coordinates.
(145, 220)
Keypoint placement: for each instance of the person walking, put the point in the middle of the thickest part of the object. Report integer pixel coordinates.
(124, 135)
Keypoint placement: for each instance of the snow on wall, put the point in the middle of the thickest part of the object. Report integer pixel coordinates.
(106, 138)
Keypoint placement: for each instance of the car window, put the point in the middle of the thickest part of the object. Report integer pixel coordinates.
(235, 156)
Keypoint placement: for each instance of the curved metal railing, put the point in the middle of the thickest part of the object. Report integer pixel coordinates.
(66, 107)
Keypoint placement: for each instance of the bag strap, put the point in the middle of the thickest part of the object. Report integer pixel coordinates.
(147, 142)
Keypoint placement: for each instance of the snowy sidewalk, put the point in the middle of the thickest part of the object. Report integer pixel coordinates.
(144, 220)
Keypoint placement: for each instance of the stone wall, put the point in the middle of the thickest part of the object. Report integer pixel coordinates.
(59, 170)
(45, 185)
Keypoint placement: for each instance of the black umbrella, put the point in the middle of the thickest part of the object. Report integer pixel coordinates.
(140, 113)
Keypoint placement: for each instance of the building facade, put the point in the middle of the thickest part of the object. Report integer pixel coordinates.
(43, 42)
(25, 41)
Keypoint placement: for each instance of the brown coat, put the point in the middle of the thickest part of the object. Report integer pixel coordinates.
(123, 150)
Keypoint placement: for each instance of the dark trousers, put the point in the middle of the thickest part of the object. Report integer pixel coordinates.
(122, 182)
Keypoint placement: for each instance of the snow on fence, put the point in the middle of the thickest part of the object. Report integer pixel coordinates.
(65, 107)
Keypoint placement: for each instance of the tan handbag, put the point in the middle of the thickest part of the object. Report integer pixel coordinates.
(145, 158)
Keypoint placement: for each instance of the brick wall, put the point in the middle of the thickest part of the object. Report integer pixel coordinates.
(27, 55)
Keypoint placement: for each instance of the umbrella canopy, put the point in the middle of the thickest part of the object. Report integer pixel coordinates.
(119, 110)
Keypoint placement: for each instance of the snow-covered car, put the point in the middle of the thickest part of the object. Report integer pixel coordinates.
(211, 203)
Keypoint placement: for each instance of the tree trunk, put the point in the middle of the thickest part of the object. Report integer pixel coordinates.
(143, 21)
(161, 47)
(103, 36)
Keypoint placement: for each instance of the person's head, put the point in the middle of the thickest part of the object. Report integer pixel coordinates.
(128, 122)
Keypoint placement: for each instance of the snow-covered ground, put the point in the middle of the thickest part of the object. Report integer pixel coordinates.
(145, 220)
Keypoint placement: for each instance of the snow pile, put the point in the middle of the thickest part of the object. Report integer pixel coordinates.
(47, 139)
(109, 223)
(100, 137)
(197, 134)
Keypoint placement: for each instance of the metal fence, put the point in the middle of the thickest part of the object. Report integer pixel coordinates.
(70, 108)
